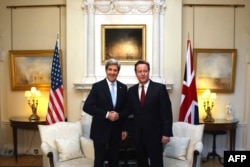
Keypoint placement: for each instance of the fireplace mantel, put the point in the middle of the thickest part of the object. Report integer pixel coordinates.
(121, 7)
(87, 87)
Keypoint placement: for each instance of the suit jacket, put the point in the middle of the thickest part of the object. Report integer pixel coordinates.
(155, 117)
(98, 102)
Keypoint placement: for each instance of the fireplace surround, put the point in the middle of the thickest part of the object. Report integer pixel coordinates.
(123, 12)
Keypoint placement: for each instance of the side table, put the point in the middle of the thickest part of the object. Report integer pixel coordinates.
(219, 126)
(23, 123)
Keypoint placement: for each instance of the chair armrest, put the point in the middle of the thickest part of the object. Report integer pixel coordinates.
(46, 148)
(195, 158)
(48, 151)
(198, 147)
(87, 147)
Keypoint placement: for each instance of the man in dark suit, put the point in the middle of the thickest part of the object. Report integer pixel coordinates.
(108, 115)
(150, 105)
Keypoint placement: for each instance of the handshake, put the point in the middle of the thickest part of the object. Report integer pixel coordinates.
(113, 116)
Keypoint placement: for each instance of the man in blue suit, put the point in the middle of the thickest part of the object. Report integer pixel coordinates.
(106, 103)
(150, 105)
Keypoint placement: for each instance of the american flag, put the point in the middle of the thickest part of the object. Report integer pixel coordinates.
(56, 102)
(189, 111)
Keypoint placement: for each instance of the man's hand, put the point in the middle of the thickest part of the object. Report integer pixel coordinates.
(165, 139)
(113, 116)
(124, 135)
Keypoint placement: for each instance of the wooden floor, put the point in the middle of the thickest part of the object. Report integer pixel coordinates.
(23, 161)
(212, 163)
(36, 161)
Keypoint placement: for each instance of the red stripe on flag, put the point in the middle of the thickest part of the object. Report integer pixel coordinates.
(56, 101)
(56, 106)
(189, 103)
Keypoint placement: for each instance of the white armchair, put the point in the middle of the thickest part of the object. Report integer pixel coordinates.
(185, 146)
(64, 146)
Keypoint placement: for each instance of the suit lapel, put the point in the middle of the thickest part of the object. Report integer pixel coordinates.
(136, 95)
(107, 92)
(149, 92)
(119, 93)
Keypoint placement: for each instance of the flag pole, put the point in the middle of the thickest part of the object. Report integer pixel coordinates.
(189, 111)
(56, 98)
(57, 39)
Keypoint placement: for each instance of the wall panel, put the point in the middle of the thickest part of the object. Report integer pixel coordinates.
(31, 26)
(214, 27)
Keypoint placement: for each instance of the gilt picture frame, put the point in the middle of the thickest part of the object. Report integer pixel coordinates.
(215, 69)
(31, 68)
(125, 43)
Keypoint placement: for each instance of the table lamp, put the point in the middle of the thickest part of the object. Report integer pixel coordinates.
(208, 103)
(32, 97)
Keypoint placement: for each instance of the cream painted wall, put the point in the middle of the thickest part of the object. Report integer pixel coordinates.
(179, 21)
(173, 53)
(223, 27)
(28, 29)
(75, 63)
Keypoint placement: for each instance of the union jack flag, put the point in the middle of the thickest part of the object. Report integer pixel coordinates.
(189, 111)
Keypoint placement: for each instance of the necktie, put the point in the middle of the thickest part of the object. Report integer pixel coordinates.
(113, 94)
(142, 95)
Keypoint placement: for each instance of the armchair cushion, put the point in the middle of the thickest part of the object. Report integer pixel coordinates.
(87, 148)
(69, 148)
(182, 130)
(194, 132)
(177, 148)
(61, 139)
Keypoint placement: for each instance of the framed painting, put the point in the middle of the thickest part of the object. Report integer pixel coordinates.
(31, 68)
(125, 43)
(215, 69)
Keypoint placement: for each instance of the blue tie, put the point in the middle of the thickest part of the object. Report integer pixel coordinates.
(113, 94)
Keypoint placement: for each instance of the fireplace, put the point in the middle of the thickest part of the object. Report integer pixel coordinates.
(122, 12)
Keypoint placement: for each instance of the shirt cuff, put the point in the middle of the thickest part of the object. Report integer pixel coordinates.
(107, 115)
